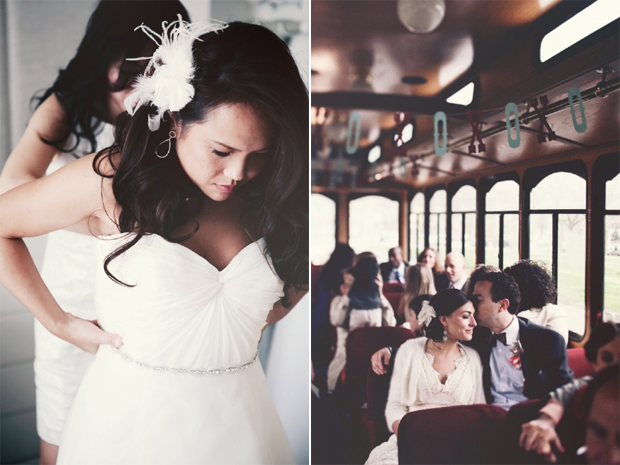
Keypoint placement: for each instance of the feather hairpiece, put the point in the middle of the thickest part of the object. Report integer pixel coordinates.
(167, 79)
(427, 314)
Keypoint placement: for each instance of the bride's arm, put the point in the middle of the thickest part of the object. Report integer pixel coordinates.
(279, 311)
(70, 196)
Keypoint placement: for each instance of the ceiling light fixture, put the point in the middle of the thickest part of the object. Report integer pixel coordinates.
(421, 16)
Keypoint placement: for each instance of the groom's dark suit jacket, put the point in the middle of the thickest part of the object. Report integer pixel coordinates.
(544, 361)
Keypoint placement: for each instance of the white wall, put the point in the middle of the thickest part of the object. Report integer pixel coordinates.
(37, 38)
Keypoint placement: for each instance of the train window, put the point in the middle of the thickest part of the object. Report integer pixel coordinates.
(464, 96)
(323, 228)
(578, 27)
(373, 225)
(502, 224)
(558, 239)
(612, 250)
(416, 225)
(437, 222)
(464, 224)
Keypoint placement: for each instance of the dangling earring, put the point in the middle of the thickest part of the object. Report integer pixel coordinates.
(172, 135)
(445, 335)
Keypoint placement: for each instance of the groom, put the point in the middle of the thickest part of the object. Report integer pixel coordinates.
(521, 360)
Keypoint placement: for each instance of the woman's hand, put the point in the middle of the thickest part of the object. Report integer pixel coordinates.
(395, 426)
(380, 360)
(86, 334)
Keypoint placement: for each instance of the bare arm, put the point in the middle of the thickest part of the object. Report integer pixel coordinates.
(71, 196)
(31, 157)
(279, 311)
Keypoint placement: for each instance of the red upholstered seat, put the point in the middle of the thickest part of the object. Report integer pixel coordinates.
(393, 287)
(394, 299)
(363, 342)
(459, 434)
(578, 363)
(377, 389)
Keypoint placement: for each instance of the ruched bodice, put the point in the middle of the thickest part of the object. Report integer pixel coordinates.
(181, 311)
(186, 386)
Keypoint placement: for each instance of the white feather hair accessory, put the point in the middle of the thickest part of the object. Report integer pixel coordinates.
(167, 79)
(427, 314)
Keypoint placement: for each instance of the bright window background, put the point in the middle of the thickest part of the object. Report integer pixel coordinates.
(416, 227)
(557, 192)
(437, 223)
(611, 299)
(464, 203)
(323, 228)
(503, 197)
(373, 225)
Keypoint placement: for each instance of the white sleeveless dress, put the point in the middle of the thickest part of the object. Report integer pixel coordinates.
(69, 272)
(167, 397)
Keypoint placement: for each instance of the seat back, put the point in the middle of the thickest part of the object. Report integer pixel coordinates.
(458, 434)
(394, 299)
(393, 287)
(362, 343)
(578, 362)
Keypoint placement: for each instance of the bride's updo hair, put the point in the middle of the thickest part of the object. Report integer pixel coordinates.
(445, 303)
(242, 64)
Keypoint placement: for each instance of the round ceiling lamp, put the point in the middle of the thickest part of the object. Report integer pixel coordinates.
(421, 16)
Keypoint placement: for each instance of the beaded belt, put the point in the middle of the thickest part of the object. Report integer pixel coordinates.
(181, 371)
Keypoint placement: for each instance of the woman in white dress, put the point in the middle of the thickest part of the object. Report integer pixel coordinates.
(73, 119)
(200, 209)
(433, 371)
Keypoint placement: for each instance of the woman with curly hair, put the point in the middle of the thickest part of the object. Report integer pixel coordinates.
(200, 211)
(74, 118)
(538, 296)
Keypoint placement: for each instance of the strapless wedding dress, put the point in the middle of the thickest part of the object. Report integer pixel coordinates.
(186, 387)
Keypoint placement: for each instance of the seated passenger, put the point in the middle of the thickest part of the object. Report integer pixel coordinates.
(433, 371)
(602, 403)
(456, 271)
(418, 280)
(328, 286)
(430, 259)
(538, 296)
(521, 360)
(382, 357)
(361, 305)
(393, 271)
(539, 435)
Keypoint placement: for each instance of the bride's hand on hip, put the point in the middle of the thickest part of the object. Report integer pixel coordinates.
(87, 335)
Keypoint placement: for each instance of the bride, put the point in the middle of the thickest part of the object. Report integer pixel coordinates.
(200, 208)
(433, 371)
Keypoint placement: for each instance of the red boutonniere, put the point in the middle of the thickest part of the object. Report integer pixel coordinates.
(516, 350)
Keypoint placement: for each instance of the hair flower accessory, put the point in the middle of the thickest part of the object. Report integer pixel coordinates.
(167, 79)
(426, 314)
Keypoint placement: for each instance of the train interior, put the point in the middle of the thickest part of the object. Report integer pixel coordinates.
(490, 128)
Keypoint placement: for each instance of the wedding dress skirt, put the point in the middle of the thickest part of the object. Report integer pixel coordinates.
(186, 387)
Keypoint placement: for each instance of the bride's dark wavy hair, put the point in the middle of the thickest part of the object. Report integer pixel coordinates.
(83, 86)
(243, 64)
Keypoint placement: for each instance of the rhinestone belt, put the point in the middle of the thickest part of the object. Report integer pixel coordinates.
(181, 371)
